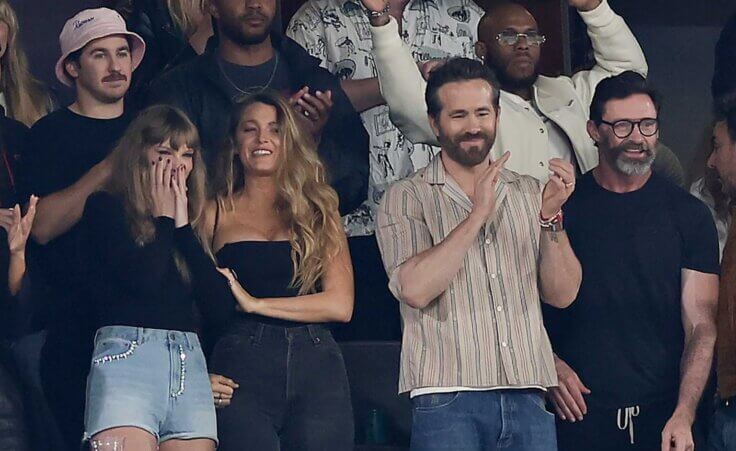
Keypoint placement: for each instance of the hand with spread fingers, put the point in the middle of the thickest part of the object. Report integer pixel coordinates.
(558, 189)
(222, 390)
(18, 227)
(313, 108)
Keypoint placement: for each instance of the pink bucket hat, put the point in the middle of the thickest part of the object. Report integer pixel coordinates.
(89, 25)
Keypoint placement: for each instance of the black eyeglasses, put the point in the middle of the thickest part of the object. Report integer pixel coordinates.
(623, 128)
(512, 37)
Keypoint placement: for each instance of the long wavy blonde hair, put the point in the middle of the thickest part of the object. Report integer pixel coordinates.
(26, 98)
(305, 202)
(131, 165)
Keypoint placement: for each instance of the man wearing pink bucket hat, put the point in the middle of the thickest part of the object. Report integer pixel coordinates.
(65, 162)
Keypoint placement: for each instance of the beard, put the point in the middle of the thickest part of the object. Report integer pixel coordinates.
(631, 166)
(235, 30)
(467, 157)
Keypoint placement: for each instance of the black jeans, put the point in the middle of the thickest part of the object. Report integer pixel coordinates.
(293, 393)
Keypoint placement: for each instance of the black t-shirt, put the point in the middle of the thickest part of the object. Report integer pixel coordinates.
(60, 149)
(134, 285)
(273, 74)
(623, 335)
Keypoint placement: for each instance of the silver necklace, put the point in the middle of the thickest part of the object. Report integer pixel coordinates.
(252, 89)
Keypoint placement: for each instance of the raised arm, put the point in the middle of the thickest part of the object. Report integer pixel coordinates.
(402, 84)
(615, 47)
(560, 273)
(18, 229)
(419, 272)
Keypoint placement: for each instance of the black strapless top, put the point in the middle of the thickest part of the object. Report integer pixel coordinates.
(265, 270)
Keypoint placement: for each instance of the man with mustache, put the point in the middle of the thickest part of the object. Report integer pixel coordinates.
(469, 248)
(65, 162)
(542, 117)
(251, 57)
(634, 352)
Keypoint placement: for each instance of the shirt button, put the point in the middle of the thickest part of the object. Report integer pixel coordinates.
(541, 163)
(499, 308)
(541, 130)
(493, 276)
(488, 241)
(504, 344)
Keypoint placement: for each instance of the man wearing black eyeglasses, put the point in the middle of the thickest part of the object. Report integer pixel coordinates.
(541, 117)
(634, 351)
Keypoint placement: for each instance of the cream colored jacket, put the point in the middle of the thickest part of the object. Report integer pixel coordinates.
(564, 100)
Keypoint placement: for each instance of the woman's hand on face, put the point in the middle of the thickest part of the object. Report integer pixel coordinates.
(222, 390)
(246, 302)
(181, 208)
(163, 198)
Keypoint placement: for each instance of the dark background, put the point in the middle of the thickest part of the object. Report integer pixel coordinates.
(677, 36)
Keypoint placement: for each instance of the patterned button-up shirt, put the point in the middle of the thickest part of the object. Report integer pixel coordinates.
(486, 329)
(337, 32)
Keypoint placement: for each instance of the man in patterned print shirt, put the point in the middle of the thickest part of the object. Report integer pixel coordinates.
(337, 32)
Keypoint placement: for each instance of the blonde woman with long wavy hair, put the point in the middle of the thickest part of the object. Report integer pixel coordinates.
(26, 99)
(148, 378)
(280, 381)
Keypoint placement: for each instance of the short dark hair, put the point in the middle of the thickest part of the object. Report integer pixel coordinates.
(457, 69)
(726, 112)
(75, 55)
(620, 86)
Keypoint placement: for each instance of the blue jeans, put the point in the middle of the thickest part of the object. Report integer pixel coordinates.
(152, 379)
(722, 436)
(508, 420)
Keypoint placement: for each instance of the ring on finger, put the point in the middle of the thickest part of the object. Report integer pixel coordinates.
(569, 184)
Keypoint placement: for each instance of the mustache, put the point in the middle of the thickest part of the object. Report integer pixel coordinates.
(470, 136)
(635, 146)
(116, 76)
(253, 14)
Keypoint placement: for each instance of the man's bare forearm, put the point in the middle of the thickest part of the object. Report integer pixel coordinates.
(697, 359)
(60, 211)
(364, 94)
(560, 272)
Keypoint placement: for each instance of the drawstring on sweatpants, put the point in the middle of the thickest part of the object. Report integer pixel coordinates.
(627, 422)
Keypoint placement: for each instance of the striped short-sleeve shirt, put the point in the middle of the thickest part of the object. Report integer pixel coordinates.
(486, 329)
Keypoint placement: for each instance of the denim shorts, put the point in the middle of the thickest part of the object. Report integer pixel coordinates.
(152, 379)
